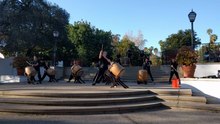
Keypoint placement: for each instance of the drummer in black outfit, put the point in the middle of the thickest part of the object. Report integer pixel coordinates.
(51, 77)
(173, 70)
(36, 65)
(103, 66)
(146, 66)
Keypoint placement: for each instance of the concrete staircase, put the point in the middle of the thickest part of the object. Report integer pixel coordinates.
(76, 102)
(93, 100)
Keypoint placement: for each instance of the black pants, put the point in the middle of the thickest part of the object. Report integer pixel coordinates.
(149, 72)
(171, 75)
(51, 77)
(100, 75)
(38, 75)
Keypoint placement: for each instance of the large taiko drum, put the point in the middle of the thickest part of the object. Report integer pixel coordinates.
(77, 70)
(116, 69)
(142, 75)
(51, 71)
(30, 71)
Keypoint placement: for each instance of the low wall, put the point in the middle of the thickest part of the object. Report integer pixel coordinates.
(203, 70)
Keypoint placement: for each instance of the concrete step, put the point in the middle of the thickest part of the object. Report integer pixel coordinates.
(77, 101)
(166, 92)
(196, 99)
(73, 94)
(95, 100)
(193, 105)
(67, 110)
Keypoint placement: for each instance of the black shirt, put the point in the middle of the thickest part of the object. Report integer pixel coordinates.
(103, 63)
(37, 65)
(147, 64)
(174, 66)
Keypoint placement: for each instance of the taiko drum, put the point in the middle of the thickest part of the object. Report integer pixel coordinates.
(116, 69)
(77, 70)
(30, 71)
(142, 75)
(51, 71)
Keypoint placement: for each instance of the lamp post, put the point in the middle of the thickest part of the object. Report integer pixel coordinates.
(56, 35)
(192, 17)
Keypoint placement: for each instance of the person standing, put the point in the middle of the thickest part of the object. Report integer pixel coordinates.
(36, 65)
(146, 65)
(103, 66)
(173, 70)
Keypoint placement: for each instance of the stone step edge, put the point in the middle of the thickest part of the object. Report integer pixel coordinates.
(199, 99)
(74, 94)
(99, 94)
(78, 102)
(79, 110)
(187, 92)
(189, 105)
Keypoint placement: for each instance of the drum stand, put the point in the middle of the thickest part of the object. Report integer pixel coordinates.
(78, 79)
(115, 81)
(118, 81)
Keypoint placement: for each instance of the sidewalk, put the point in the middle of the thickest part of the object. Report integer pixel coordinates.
(171, 116)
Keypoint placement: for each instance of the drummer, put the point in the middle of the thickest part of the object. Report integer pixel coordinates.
(36, 65)
(104, 61)
(51, 77)
(75, 76)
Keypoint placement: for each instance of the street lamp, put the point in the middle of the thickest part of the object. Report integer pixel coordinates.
(192, 17)
(56, 35)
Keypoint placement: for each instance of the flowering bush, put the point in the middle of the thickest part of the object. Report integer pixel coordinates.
(187, 56)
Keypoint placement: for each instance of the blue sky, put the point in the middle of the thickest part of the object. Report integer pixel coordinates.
(157, 19)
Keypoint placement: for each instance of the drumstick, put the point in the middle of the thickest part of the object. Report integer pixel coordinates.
(29, 63)
(174, 68)
(102, 47)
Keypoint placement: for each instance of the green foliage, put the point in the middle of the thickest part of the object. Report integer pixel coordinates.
(30, 24)
(121, 47)
(175, 41)
(155, 60)
(213, 37)
(88, 41)
(186, 56)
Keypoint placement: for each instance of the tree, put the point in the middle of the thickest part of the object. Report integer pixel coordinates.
(125, 45)
(29, 25)
(170, 46)
(88, 41)
(213, 37)
(181, 38)
(138, 40)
